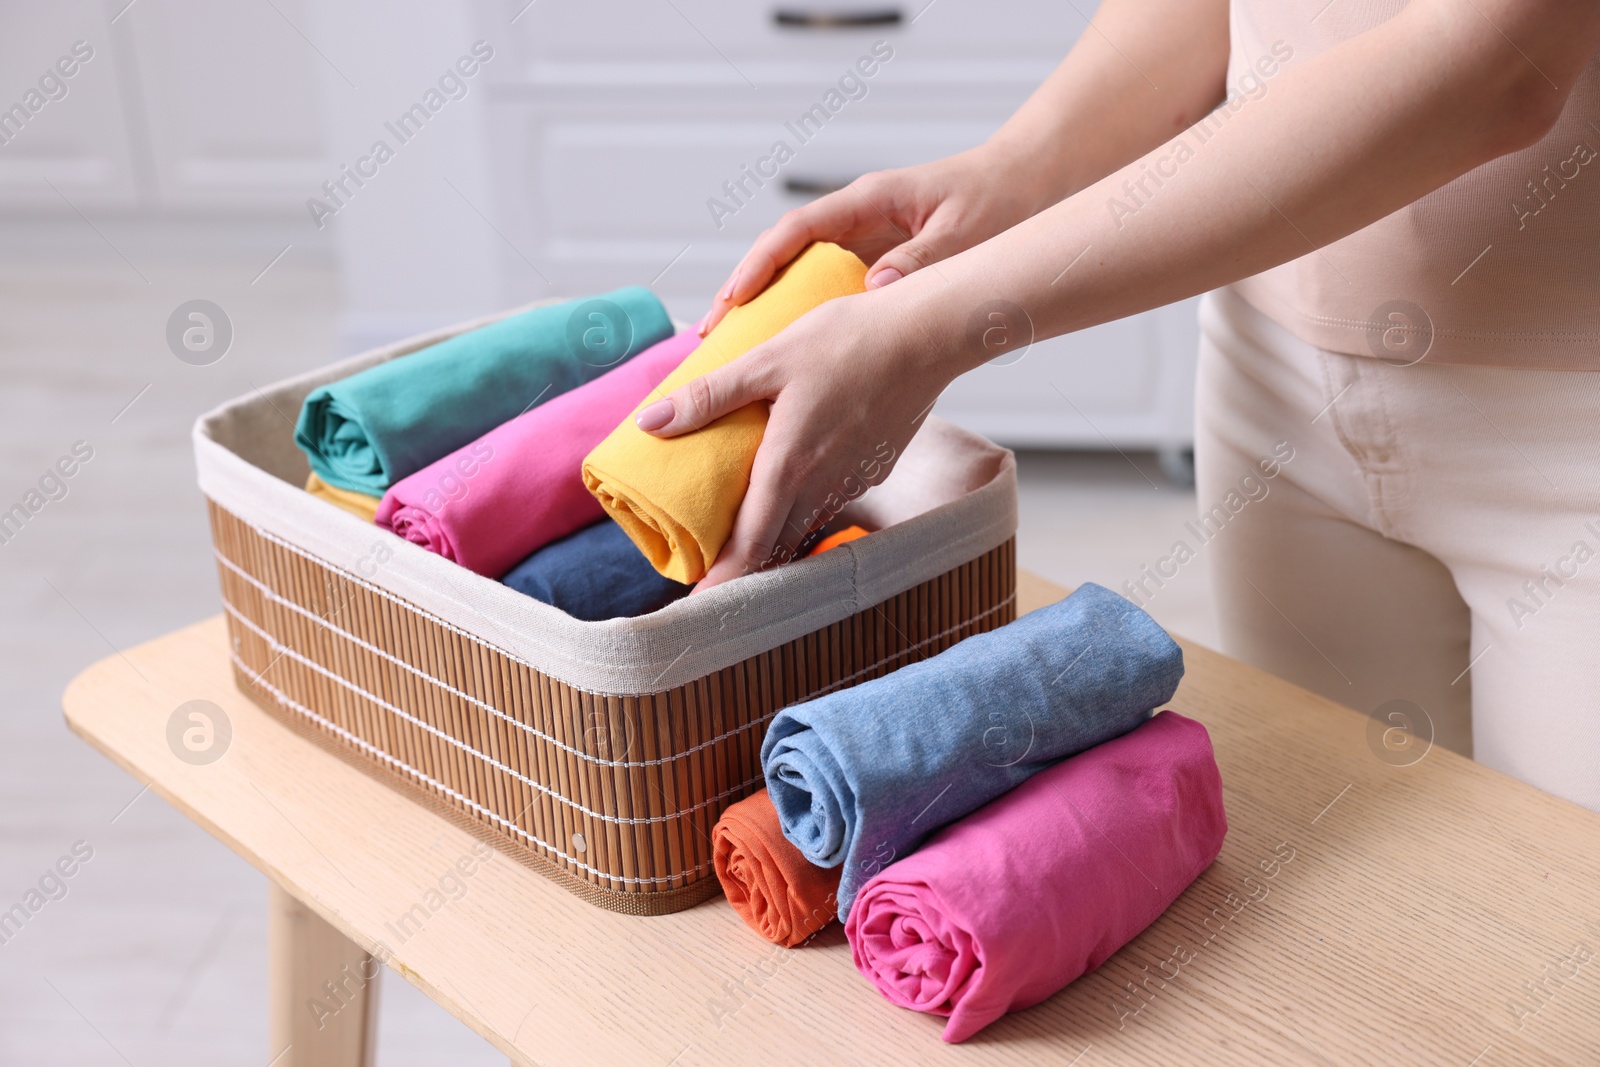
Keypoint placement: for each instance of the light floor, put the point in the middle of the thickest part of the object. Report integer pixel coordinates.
(156, 955)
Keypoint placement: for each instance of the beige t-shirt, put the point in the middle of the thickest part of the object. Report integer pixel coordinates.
(1500, 267)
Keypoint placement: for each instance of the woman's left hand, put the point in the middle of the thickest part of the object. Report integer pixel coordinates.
(848, 383)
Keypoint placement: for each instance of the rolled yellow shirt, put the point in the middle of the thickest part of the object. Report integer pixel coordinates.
(677, 496)
(361, 505)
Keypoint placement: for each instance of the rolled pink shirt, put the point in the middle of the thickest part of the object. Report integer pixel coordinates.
(1007, 906)
(492, 503)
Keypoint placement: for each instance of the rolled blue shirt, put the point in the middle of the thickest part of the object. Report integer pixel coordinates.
(862, 775)
(595, 574)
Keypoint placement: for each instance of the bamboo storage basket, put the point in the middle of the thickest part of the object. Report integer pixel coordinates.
(598, 753)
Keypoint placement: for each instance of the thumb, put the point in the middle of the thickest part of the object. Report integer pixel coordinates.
(925, 249)
(697, 403)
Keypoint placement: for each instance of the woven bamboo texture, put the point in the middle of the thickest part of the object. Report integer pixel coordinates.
(614, 796)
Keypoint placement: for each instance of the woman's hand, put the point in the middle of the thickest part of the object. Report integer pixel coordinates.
(849, 383)
(897, 221)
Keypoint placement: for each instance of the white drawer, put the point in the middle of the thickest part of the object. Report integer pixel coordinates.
(1128, 383)
(1104, 368)
(620, 180)
(738, 35)
(594, 193)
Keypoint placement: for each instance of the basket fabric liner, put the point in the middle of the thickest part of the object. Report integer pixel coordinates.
(939, 567)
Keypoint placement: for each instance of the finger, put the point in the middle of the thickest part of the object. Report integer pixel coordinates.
(767, 503)
(770, 253)
(928, 247)
(824, 219)
(723, 300)
(701, 401)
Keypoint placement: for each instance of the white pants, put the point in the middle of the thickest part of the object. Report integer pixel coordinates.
(1435, 538)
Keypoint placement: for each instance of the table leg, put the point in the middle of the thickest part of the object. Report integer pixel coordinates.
(323, 990)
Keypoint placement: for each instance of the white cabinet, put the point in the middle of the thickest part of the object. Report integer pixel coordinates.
(591, 151)
(614, 128)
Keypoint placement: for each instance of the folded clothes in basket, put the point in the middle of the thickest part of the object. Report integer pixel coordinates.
(362, 505)
(779, 893)
(369, 430)
(1005, 907)
(594, 574)
(520, 486)
(677, 497)
(861, 775)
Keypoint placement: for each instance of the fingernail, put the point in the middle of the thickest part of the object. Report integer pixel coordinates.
(655, 416)
(700, 327)
(727, 294)
(884, 277)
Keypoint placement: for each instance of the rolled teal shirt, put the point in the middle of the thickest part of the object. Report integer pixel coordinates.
(369, 430)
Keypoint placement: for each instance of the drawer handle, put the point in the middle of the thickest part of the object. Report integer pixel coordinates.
(793, 18)
(813, 186)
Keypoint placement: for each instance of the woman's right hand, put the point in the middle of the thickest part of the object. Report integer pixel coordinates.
(897, 221)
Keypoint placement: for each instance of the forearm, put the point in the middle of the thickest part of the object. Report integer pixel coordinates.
(1141, 72)
(1333, 145)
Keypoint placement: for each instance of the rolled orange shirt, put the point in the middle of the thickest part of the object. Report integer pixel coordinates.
(775, 890)
(834, 540)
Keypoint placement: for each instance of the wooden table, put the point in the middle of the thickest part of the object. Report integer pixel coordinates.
(1361, 912)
